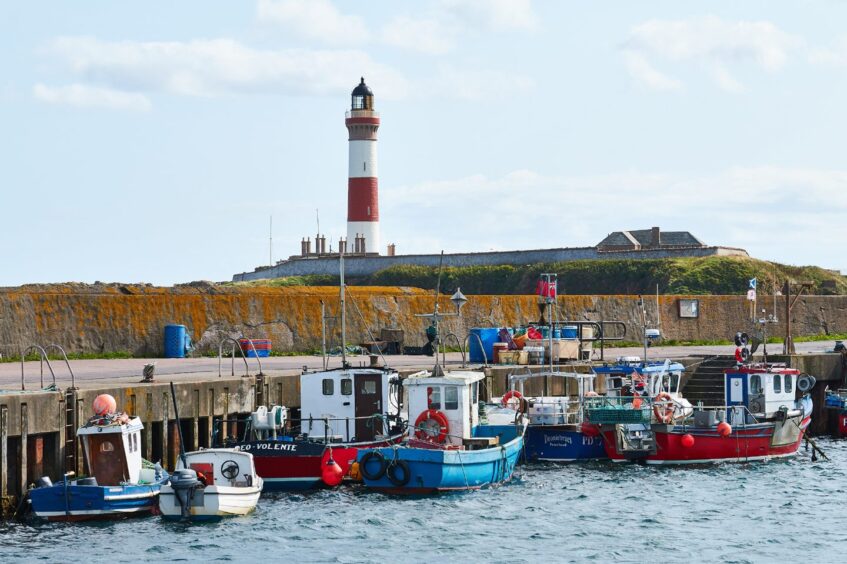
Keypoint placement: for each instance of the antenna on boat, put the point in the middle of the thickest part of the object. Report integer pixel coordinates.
(178, 428)
(343, 311)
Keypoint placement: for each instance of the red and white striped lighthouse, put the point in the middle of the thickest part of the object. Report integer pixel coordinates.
(362, 195)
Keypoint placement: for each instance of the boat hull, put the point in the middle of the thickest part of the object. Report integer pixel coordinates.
(436, 470)
(291, 465)
(85, 503)
(745, 444)
(211, 503)
(561, 443)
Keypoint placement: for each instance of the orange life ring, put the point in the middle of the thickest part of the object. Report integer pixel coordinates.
(504, 401)
(425, 430)
(664, 414)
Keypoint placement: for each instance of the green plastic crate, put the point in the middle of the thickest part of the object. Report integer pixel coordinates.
(614, 415)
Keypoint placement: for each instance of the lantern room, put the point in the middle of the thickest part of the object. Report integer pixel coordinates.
(362, 97)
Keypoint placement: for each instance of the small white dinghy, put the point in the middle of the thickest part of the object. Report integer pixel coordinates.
(210, 484)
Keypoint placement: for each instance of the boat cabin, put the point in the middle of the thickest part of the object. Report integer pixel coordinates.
(221, 466)
(554, 410)
(455, 395)
(113, 449)
(341, 405)
(629, 376)
(760, 390)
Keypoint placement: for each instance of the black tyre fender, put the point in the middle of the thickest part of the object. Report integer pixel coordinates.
(367, 459)
(399, 477)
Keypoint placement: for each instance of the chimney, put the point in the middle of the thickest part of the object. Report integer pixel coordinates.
(655, 238)
(391, 250)
(342, 246)
(308, 246)
(303, 251)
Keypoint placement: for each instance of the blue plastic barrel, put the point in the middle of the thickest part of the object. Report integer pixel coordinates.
(488, 336)
(557, 333)
(569, 332)
(175, 341)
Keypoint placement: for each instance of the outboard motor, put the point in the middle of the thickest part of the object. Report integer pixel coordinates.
(44, 482)
(184, 482)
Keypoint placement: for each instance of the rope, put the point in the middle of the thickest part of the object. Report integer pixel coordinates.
(462, 464)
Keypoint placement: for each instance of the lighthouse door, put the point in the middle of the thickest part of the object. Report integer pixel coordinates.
(368, 396)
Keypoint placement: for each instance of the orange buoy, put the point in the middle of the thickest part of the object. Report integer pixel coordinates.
(331, 473)
(724, 429)
(687, 440)
(104, 404)
(355, 473)
(636, 403)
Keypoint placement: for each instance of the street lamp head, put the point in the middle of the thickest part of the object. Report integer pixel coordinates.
(459, 300)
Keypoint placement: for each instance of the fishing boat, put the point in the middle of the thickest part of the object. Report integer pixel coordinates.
(761, 418)
(210, 484)
(342, 411)
(836, 403)
(452, 448)
(556, 432)
(118, 485)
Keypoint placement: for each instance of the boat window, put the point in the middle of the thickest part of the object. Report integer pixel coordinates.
(475, 392)
(755, 384)
(346, 387)
(777, 383)
(328, 386)
(674, 378)
(107, 447)
(369, 387)
(786, 387)
(433, 398)
(451, 397)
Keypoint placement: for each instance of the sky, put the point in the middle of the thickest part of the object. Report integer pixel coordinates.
(153, 141)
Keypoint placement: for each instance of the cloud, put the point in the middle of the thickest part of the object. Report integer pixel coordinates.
(496, 15)
(711, 43)
(464, 84)
(83, 96)
(315, 19)
(221, 66)
(429, 35)
(835, 55)
(643, 72)
(774, 212)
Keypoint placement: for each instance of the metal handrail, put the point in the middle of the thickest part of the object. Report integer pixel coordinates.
(461, 349)
(220, 356)
(44, 357)
(255, 353)
(67, 362)
(481, 347)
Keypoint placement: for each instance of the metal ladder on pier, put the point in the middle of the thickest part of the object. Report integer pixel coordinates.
(71, 426)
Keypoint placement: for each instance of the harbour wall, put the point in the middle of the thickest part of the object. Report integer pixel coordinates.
(130, 319)
(367, 265)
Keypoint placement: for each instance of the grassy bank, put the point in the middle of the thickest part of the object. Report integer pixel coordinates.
(706, 275)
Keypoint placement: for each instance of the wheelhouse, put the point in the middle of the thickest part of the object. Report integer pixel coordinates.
(113, 450)
(453, 394)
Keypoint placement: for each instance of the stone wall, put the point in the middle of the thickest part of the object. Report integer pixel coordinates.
(102, 319)
(365, 266)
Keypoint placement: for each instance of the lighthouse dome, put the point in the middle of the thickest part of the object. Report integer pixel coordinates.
(362, 97)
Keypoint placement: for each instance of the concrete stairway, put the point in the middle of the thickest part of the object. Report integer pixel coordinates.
(707, 383)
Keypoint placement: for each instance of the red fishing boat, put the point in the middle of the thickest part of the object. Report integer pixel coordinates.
(764, 416)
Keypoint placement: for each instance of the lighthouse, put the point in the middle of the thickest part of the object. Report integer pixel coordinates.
(362, 194)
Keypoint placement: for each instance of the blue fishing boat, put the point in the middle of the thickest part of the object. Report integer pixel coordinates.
(556, 432)
(451, 446)
(117, 486)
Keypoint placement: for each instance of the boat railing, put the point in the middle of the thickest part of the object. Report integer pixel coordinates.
(296, 426)
(618, 409)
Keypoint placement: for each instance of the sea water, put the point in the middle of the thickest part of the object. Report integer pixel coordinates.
(780, 510)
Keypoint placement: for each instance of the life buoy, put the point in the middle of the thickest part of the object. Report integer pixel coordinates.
(504, 401)
(398, 473)
(431, 425)
(366, 460)
(664, 413)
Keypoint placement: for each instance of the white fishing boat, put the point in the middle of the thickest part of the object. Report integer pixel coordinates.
(210, 484)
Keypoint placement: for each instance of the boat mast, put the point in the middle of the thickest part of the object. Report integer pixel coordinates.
(343, 314)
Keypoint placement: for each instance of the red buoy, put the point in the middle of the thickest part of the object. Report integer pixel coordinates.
(589, 429)
(724, 429)
(636, 403)
(687, 440)
(331, 473)
(104, 404)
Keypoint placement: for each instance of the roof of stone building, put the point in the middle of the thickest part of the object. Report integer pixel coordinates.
(644, 237)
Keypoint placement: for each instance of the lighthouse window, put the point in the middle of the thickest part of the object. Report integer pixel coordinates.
(364, 166)
(777, 383)
(328, 386)
(346, 387)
